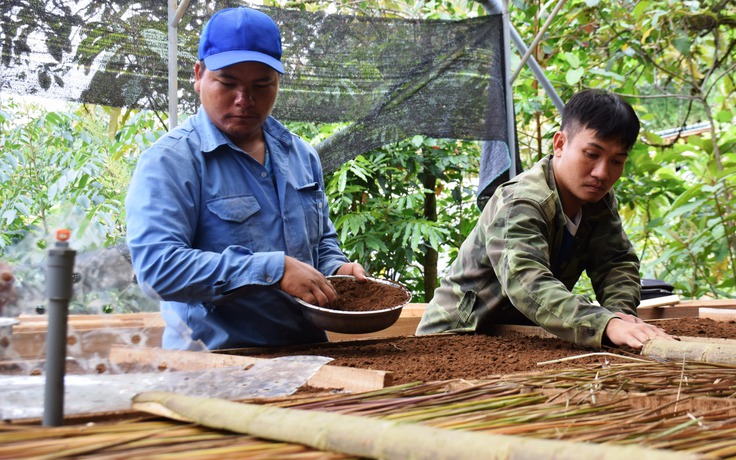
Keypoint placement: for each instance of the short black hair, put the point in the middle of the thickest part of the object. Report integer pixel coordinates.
(606, 113)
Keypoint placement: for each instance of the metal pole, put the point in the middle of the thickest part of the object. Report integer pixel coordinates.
(510, 113)
(173, 66)
(537, 71)
(59, 275)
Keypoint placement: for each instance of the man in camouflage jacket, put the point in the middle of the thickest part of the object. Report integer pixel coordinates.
(540, 231)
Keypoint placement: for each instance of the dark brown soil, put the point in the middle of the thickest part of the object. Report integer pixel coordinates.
(441, 357)
(366, 296)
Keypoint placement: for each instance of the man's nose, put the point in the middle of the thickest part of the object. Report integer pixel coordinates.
(601, 171)
(244, 97)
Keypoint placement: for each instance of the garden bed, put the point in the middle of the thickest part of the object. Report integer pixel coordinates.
(472, 356)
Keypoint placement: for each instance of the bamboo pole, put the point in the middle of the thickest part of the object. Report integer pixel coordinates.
(706, 352)
(374, 438)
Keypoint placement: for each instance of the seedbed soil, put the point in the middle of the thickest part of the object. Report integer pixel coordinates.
(475, 356)
(369, 295)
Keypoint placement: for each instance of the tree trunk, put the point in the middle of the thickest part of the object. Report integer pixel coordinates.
(430, 256)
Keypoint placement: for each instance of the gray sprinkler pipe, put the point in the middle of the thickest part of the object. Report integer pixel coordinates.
(59, 275)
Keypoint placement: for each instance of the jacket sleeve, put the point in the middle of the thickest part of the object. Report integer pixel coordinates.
(518, 245)
(614, 266)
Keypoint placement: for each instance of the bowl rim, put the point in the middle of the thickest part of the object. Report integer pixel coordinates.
(361, 313)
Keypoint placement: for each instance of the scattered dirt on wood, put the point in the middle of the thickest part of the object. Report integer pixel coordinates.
(441, 357)
(366, 296)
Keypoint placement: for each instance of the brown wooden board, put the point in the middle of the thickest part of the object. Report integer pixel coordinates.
(683, 309)
(329, 377)
(84, 343)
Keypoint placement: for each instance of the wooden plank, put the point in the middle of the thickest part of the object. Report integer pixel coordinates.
(403, 327)
(717, 314)
(144, 317)
(338, 377)
(176, 360)
(85, 343)
(684, 309)
(664, 301)
(351, 378)
(88, 322)
(413, 310)
(681, 310)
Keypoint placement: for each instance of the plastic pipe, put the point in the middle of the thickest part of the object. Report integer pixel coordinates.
(59, 275)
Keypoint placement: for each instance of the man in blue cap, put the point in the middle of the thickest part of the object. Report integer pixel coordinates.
(227, 216)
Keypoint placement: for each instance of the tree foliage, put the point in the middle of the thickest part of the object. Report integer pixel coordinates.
(62, 168)
(378, 203)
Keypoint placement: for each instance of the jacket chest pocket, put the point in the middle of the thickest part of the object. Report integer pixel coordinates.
(232, 220)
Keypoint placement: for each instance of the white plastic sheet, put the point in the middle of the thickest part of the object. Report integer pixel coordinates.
(22, 397)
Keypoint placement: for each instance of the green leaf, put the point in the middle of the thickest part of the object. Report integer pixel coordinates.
(689, 194)
(20, 206)
(682, 44)
(572, 59)
(684, 209)
(573, 76)
(640, 9)
(725, 116)
(53, 189)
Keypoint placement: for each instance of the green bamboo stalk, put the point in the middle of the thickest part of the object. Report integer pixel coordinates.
(374, 438)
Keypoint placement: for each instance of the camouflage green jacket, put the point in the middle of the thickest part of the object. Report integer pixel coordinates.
(508, 269)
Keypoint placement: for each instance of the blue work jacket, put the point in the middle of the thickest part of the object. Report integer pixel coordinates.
(208, 227)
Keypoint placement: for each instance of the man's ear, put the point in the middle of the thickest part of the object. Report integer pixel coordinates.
(197, 75)
(558, 142)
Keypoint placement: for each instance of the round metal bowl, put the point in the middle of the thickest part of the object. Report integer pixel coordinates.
(354, 322)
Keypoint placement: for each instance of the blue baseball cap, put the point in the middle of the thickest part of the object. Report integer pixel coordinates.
(234, 35)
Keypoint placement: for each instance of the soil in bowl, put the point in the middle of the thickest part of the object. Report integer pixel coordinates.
(366, 296)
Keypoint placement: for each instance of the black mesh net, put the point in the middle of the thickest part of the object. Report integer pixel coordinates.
(389, 78)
